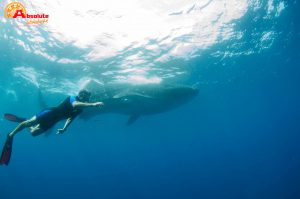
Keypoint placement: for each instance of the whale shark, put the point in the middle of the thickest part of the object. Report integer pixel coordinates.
(132, 100)
(138, 100)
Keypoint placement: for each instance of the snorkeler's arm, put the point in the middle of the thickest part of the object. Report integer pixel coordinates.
(78, 104)
(68, 122)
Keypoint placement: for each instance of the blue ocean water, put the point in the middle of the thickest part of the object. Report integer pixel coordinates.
(239, 138)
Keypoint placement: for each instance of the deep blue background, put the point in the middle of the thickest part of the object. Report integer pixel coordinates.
(238, 139)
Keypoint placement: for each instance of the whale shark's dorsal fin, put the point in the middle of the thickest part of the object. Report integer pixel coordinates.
(132, 119)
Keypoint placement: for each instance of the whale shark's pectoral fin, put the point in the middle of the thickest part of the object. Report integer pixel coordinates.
(132, 119)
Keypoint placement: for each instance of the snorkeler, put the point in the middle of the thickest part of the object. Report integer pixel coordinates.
(69, 109)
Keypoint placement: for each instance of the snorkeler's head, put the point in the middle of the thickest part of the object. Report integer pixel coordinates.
(84, 95)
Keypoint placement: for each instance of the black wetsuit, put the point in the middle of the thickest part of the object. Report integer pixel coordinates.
(50, 116)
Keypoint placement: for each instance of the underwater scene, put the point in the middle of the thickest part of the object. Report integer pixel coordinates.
(150, 99)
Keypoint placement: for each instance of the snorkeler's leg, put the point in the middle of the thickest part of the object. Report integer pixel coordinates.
(7, 148)
(23, 125)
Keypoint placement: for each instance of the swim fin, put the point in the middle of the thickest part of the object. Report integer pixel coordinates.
(6, 152)
(14, 118)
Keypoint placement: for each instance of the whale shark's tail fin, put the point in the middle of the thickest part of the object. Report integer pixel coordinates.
(42, 102)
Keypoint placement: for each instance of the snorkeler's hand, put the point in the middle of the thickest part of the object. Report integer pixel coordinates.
(98, 104)
(60, 131)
